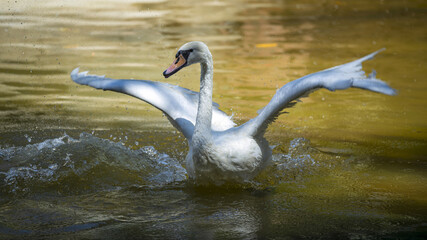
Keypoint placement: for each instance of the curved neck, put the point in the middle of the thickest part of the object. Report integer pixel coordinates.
(202, 131)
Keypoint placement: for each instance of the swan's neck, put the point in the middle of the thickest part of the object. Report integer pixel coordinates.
(202, 131)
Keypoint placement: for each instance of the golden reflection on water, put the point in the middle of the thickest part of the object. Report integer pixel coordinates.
(257, 48)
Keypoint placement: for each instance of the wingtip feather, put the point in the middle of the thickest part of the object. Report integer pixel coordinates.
(75, 73)
(372, 55)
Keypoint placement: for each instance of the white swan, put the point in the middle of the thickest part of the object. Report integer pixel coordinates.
(219, 151)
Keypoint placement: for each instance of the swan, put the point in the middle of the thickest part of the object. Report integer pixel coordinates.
(220, 151)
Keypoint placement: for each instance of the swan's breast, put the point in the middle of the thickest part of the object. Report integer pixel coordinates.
(229, 157)
(238, 154)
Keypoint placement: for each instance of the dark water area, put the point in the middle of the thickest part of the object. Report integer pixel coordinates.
(77, 163)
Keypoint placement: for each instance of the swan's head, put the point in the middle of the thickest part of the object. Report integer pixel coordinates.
(189, 53)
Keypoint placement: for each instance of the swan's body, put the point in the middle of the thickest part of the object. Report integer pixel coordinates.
(219, 151)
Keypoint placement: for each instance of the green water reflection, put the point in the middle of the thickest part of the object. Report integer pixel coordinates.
(371, 149)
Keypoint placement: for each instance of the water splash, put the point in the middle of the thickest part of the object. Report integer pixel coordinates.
(28, 138)
(299, 162)
(169, 169)
(299, 156)
(67, 165)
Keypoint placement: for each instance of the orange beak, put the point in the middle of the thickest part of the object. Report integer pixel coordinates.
(177, 65)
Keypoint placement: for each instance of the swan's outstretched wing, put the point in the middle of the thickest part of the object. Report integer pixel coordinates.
(179, 104)
(336, 78)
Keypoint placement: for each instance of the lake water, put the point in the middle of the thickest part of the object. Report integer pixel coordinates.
(80, 163)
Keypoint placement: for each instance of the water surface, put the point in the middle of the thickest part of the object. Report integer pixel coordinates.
(80, 163)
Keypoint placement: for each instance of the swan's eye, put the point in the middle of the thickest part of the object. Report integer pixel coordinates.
(186, 53)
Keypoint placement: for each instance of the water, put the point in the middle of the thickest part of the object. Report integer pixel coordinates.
(81, 163)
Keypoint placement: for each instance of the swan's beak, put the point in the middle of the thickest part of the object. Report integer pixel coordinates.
(177, 65)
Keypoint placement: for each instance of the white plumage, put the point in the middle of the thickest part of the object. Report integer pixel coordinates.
(219, 151)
